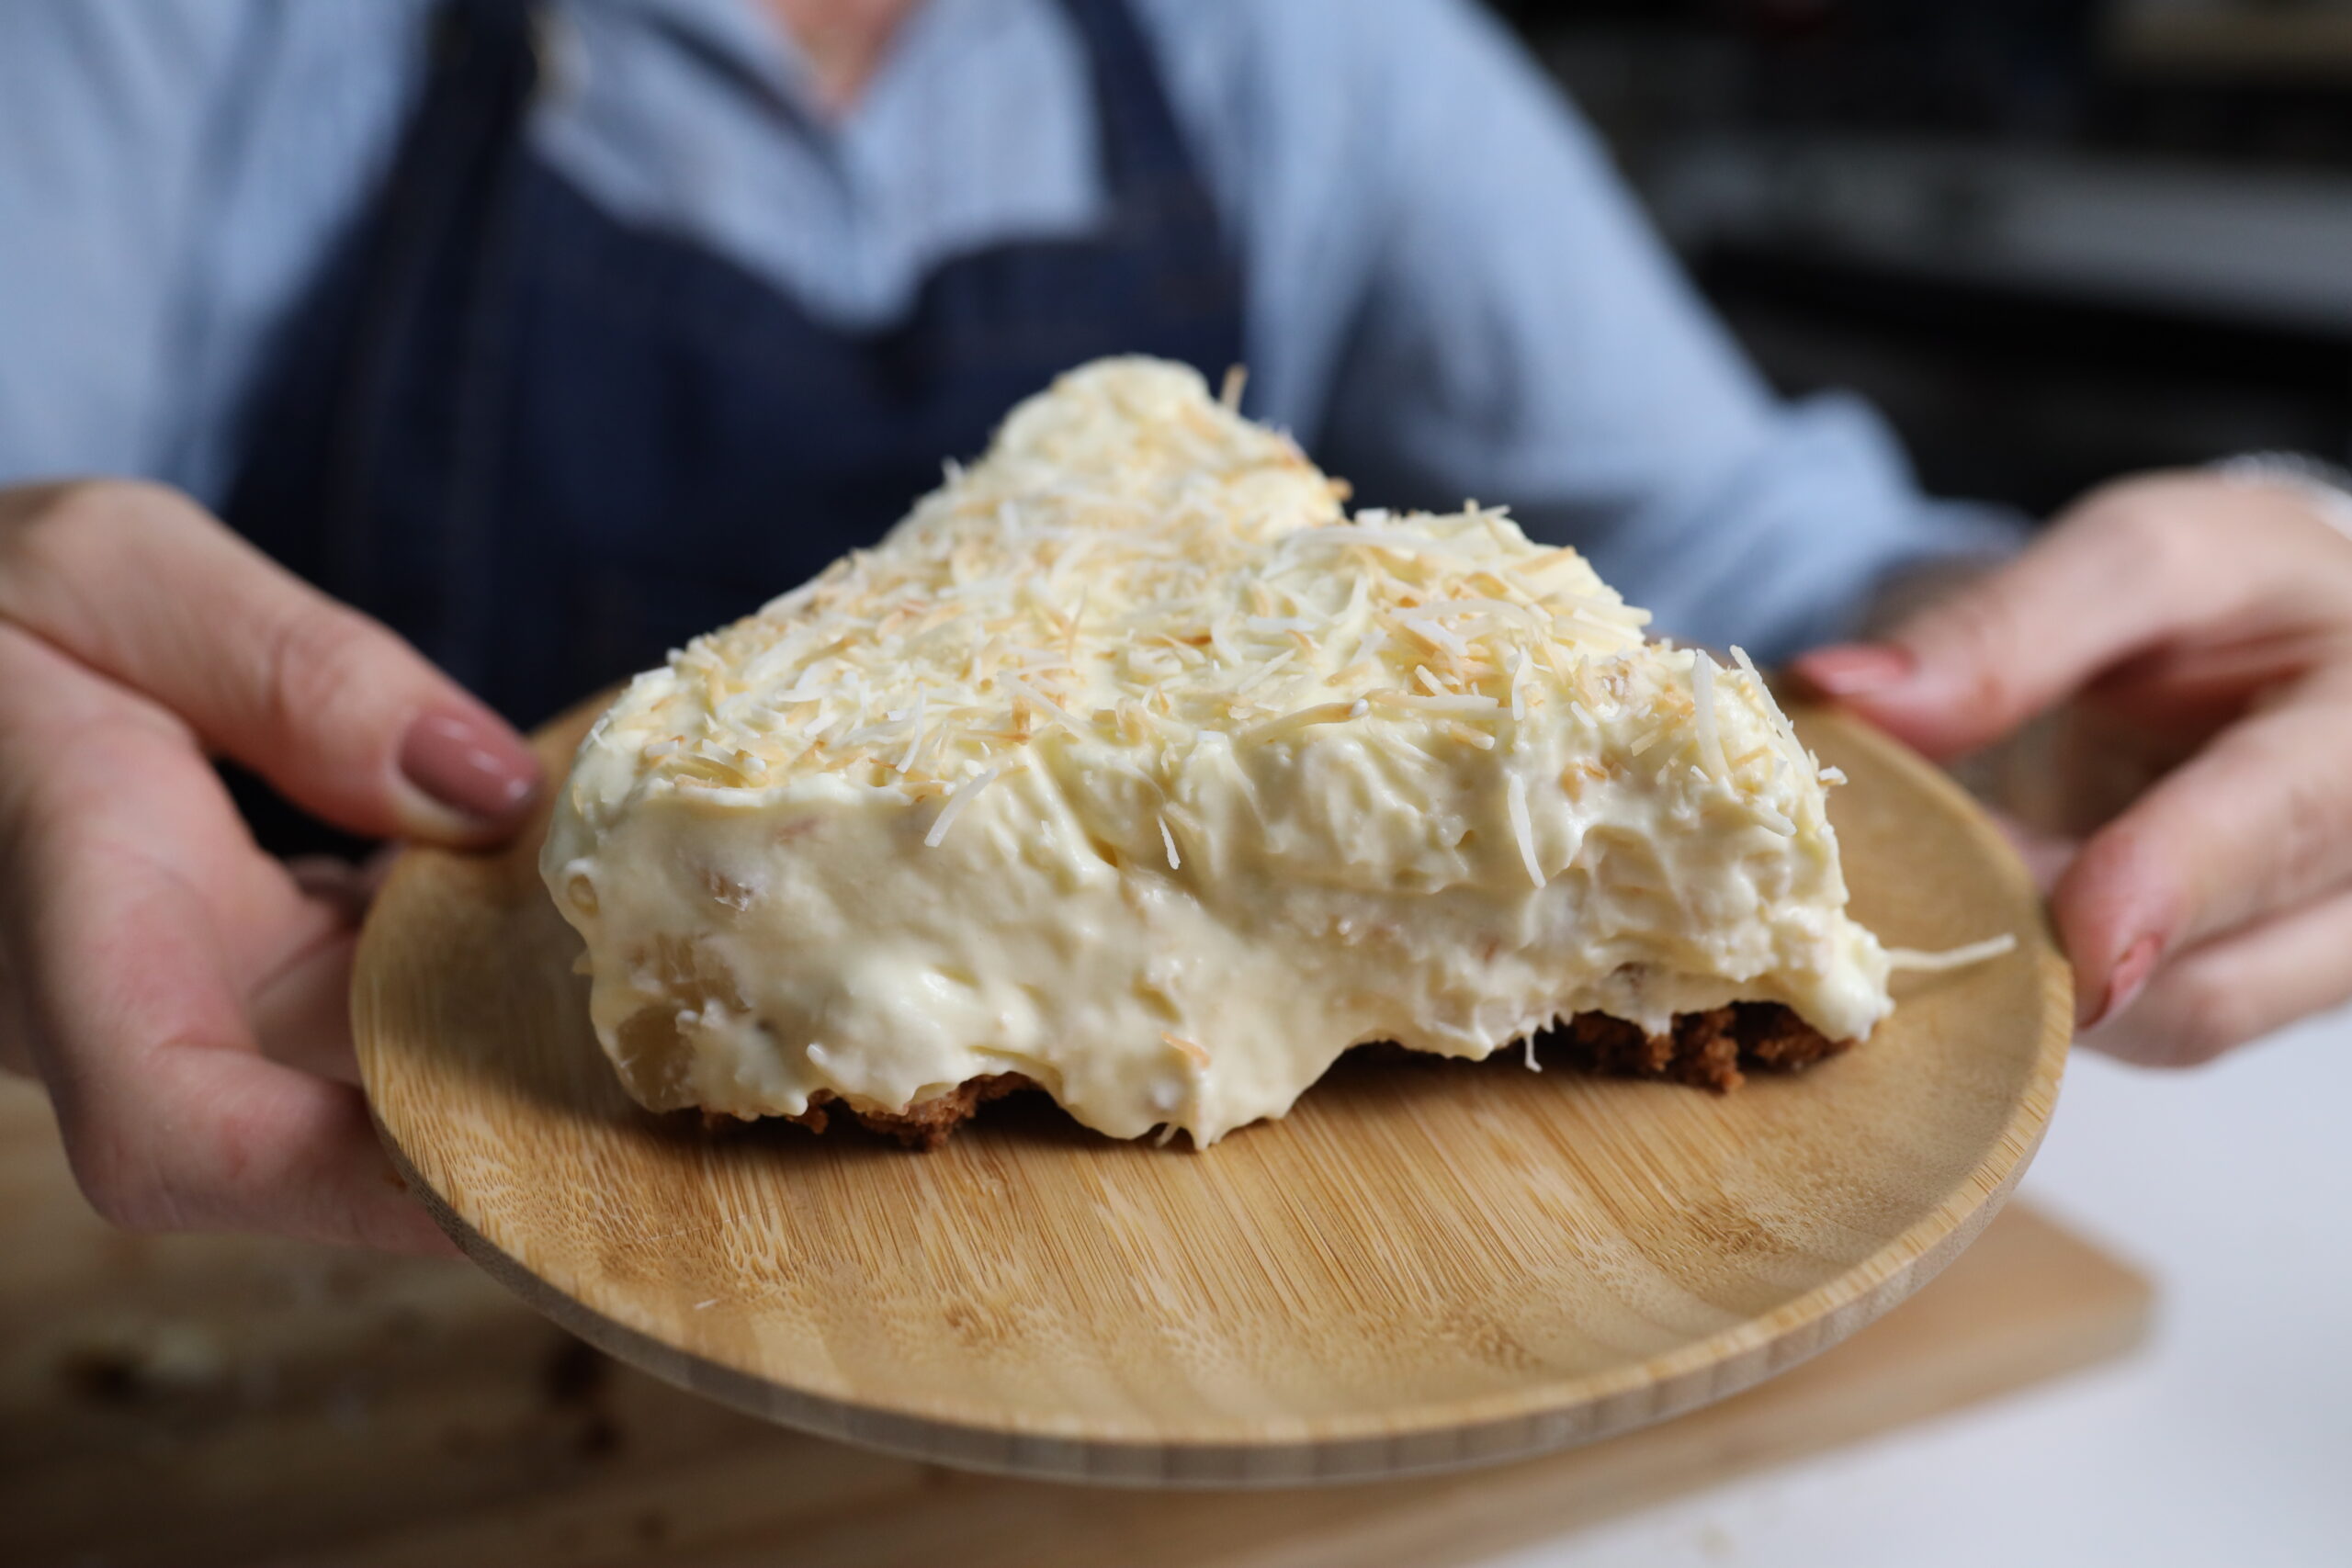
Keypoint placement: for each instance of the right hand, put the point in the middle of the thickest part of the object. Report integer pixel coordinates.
(184, 995)
(2188, 637)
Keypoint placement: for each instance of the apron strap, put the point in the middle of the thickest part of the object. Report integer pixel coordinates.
(446, 181)
(1141, 146)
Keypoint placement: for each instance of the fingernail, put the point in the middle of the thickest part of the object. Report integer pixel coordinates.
(470, 764)
(2124, 984)
(1854, 669)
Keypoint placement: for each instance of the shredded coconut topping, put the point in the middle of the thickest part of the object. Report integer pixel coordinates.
(1224, 591)
(1703, 697)
(1430, 783)
(959, 799)
(1515, 802)
(1975, 952)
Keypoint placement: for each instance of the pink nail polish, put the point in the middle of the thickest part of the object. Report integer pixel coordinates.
(2124, 982)
(1854, 669)
(470, 764)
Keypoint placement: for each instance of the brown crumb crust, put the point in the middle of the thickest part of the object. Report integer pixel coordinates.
(925, 1126)
(1707, 1050)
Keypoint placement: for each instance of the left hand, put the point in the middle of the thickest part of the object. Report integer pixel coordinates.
(2198, 629)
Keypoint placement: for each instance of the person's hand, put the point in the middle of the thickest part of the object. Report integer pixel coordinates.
(184, 995)
(2196, 634)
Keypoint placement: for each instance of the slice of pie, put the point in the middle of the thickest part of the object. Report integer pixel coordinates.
(1129, 766)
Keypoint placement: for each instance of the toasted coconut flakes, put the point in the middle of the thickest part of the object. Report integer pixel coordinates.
(922, 669)
(1515, 806)
(1476, 738)
(1465, 705)
(1950, 958)
(1265, 671)
(957, 799)
(1321, 713)
(1045, 704)
(1197, 1055)
(1702, 699)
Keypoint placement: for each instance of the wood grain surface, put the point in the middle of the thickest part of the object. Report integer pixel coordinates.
(1427, 1265)
(190, 1402)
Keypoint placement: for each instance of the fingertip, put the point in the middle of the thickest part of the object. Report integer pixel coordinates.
(1847, 670)
(403, 1225)
(433, 1242)
(407, 1225)
(1889, 685)
(465, 777)
(2116, 910)
(359, 1196)
(2126, 978)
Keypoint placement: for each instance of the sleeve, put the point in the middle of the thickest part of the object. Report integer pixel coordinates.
(169, 172)
(101, 118)
(1523, 337)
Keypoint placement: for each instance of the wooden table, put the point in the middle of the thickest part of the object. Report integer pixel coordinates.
(196, 1399)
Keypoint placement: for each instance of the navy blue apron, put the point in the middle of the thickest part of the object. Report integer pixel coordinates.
(547, 445)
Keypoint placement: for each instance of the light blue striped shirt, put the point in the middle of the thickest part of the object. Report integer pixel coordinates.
(1450, 293)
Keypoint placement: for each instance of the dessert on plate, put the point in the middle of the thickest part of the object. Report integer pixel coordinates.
(1130, 766)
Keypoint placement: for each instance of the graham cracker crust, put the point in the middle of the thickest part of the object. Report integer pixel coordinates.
(922, 1126)
(1705, 1050)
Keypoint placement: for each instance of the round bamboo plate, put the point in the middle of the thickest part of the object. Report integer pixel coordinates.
(1426, 1265)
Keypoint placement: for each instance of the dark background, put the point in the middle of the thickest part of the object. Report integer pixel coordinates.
(2054, 240)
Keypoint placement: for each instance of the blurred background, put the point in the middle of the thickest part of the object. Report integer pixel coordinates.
(2054, 240)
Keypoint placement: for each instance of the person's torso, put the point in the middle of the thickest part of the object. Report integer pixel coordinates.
(546, 441)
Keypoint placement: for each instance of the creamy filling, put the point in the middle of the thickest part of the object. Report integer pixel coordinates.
(1129, 764)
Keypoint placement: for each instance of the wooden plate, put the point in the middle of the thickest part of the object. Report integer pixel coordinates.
(1426, 1265)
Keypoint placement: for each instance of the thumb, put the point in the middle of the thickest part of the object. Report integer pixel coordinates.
(341, 717)
(2108, 581)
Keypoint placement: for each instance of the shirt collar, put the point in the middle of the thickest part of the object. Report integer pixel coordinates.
(740, 36)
